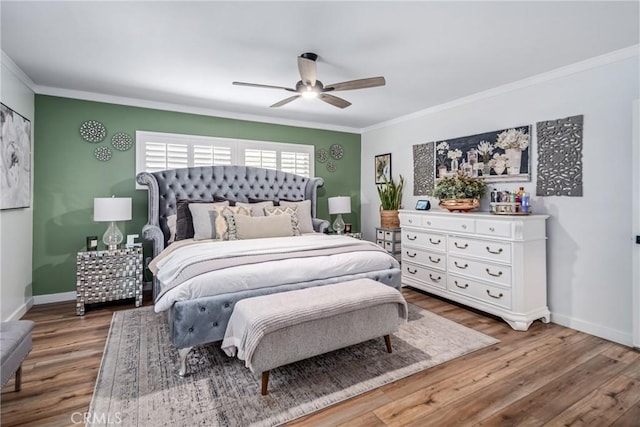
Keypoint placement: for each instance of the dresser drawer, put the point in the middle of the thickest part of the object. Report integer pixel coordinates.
(431, 241)
(411, 220)
(479, 269)
(436, 260)
(494, 228)
(490, 250)
(459, 224)
(481, 291)
(423, 274)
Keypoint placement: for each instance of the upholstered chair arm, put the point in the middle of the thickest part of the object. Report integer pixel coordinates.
(320, 225)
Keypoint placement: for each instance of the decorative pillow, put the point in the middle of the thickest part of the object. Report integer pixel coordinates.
(221, 224)
(204, 217)
(224, 199)
(243, 227)
(184, 220)
(171, 223)
(289, 210)
(257, 209)
(304, 214)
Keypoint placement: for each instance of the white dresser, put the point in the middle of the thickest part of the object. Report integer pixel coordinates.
(494, 263)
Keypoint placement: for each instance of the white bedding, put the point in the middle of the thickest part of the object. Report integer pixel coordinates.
(271, 273)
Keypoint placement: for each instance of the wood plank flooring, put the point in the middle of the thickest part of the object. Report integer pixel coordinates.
(547, 376)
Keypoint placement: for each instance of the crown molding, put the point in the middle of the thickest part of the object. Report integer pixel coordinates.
(578, 67)
(16, 71)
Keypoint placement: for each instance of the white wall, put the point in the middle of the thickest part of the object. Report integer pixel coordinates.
(16, 225)
(589, 261)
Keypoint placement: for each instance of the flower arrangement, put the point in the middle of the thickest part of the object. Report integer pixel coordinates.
(513, 138)
(391, 194)
(454, 154)
(485, 148)
(459, 186)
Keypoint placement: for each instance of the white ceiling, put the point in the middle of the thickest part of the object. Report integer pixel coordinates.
(188, 53)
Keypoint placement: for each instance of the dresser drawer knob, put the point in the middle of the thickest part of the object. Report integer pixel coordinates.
(465, 246)
(437, 260)
(413, 255)
(493, 274)
(464, 226)
(499, 251)
(462, 266)
(435, 279)
(428, 222)
(466, 285)
(411, 238)
(410, 221)
(494, 296)
(436, 242)
(412, 272)
(492, 229)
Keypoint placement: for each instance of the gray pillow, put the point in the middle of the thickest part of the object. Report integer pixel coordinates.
(257, 209)
(204, 217)
(304, 214)
(243, 227)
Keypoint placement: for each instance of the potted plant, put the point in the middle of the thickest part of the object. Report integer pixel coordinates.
(390, 201)
(459, 192)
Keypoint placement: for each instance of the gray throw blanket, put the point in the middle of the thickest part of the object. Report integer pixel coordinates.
(253, 318)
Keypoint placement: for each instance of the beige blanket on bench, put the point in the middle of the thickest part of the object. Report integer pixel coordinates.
(253, 318)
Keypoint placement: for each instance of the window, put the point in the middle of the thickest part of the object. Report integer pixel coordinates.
(157, 151)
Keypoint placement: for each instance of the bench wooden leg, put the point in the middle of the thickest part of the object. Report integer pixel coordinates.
(183, 352)
(387, 341)
(265, 382)
(18, 378)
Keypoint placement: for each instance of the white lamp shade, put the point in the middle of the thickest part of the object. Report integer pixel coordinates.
(111, 209)
(339, 205)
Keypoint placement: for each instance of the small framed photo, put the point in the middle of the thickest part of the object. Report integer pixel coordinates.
(423, 205)
(92, 243)
(382, 168)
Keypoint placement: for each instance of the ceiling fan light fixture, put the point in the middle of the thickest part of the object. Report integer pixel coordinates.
(309, 93)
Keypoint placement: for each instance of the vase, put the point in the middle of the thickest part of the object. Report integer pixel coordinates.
(486, 169)
(454, 165)
(462, 205)
(499, 170)
(442, 171)
(514, 155)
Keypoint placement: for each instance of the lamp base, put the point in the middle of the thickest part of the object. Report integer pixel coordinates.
(338, 224)
(112, 237)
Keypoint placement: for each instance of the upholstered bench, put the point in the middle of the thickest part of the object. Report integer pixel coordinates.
(273, 330)
(15, 345)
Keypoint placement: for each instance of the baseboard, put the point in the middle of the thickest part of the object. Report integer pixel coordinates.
(614, 335)
(20, 311)
(59, 297)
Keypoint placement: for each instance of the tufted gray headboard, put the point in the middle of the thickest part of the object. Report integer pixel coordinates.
(232, 182)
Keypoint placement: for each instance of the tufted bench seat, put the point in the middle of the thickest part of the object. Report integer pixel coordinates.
(15, 345)
(273, 330)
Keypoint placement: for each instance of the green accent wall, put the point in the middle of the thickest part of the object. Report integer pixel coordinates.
(67, 176)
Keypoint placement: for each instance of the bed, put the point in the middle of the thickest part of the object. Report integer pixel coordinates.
(203, 318)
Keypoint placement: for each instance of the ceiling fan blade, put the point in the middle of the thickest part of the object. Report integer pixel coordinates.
(263, 86)
(285, 101)
(356, 84)
(334, 100)
(308, 71)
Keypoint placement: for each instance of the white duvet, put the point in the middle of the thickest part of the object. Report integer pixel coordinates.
(271, 273)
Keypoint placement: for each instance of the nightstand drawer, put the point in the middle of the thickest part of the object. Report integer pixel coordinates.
(392, 247)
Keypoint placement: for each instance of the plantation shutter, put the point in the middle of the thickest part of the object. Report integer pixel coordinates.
(295, 162)
(267, 159)
(160, 156)
(210, 155)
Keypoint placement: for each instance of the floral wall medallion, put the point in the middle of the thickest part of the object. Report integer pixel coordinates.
(331, 166)
(322, 155)
(121, 141)
(423, 169)
(102, 153)
(336, 151)
(560, 157)
(93, 131)
(501, 155)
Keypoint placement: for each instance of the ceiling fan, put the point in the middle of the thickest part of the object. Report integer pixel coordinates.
(310, 87)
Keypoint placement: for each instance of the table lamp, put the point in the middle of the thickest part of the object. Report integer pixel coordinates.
(338, 206)
(112, 209)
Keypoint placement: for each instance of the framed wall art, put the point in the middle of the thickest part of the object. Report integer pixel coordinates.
(382, 168)
(502, 155)
(15, 160)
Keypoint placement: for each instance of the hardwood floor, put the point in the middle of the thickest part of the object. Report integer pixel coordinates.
(550, 375)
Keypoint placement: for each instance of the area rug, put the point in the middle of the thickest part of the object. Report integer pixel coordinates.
(138, 386)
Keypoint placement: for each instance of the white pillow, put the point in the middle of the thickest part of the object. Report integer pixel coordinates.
(204, 217)
(257, 209)
(243, 227)
(304, 214)
(171, 223)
